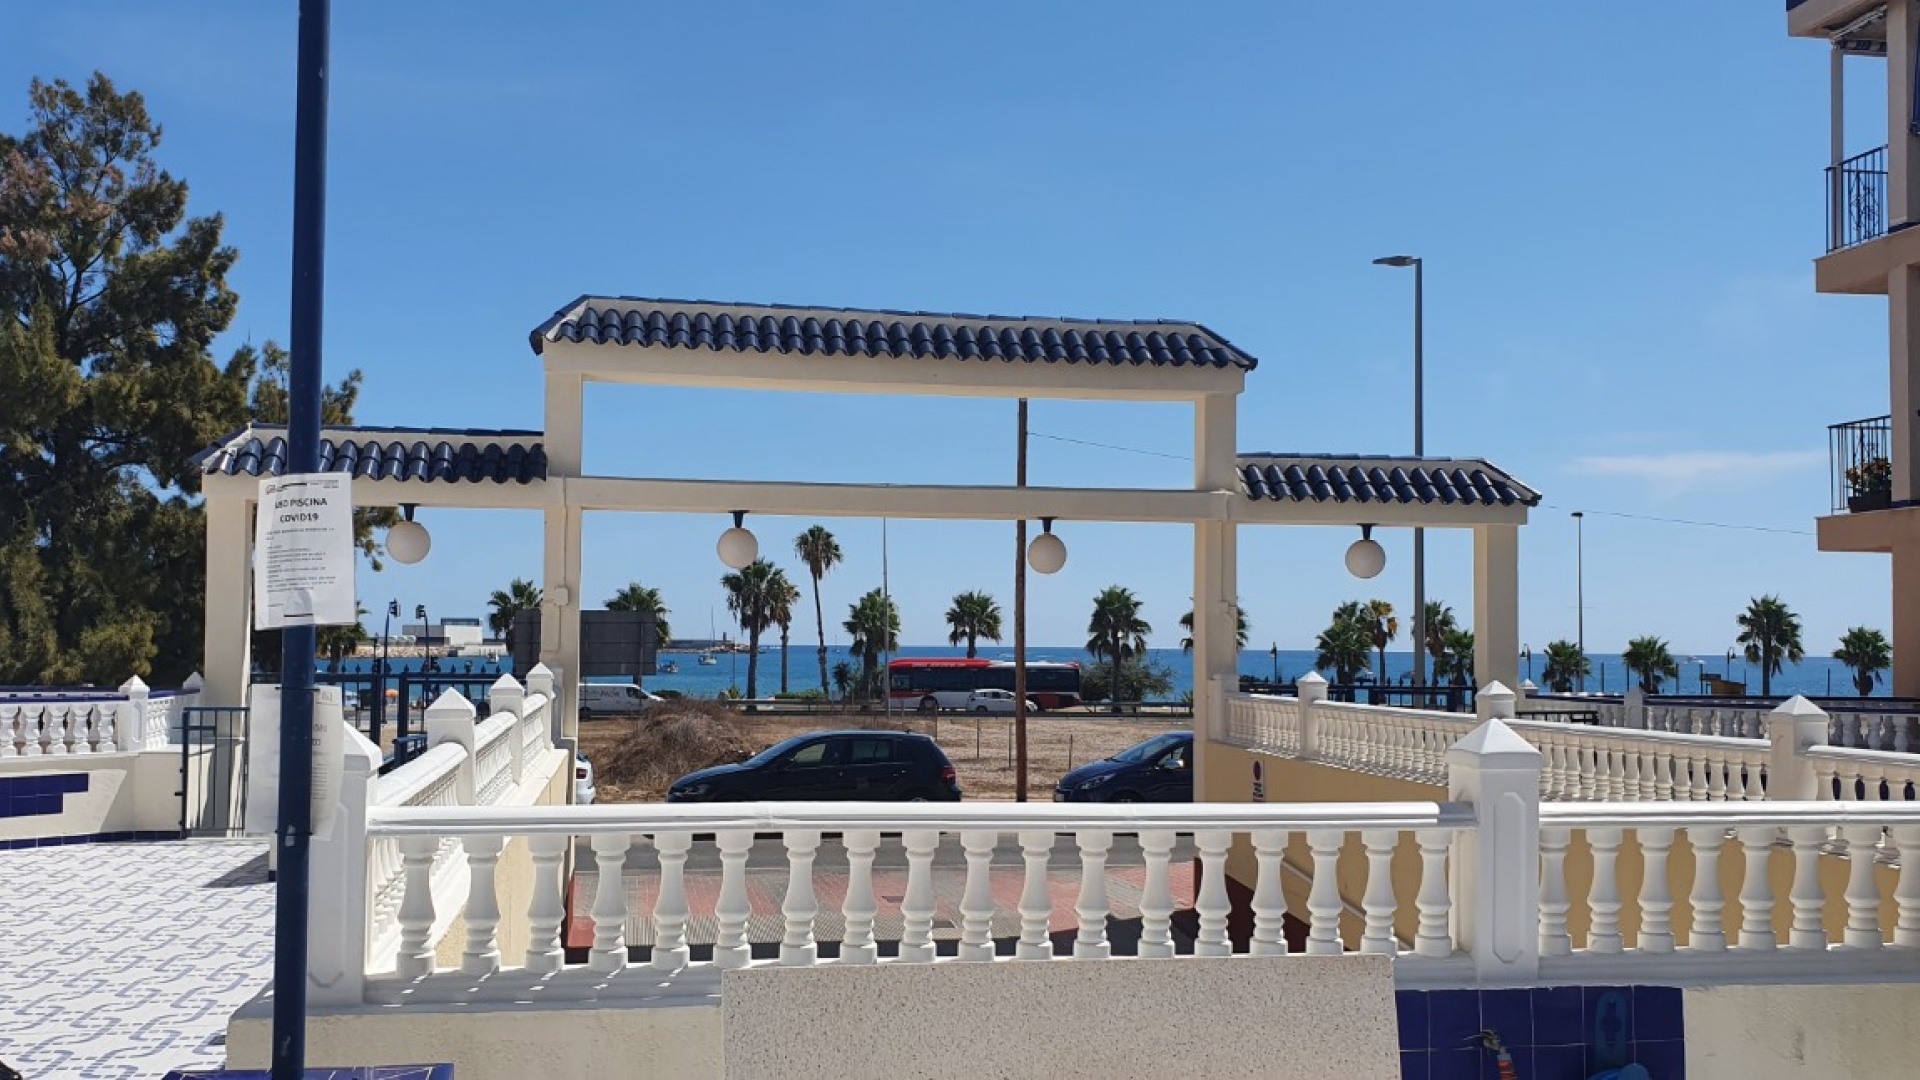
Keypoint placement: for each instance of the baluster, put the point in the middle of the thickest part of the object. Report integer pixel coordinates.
(609, 909)
(1756, 891)
(1603, 898)
(1871, 775)
(78, 728)
(1323, 897)
(1036, 902)
(1663, 775)
(1616, 774)
(1591, 785)
(1211, 902)
(1378, 901)
(1699, 789)
(1717, 775)
(57, 728)
(1156, 900)
(797, 946)
(1863, 892)
(857, 945)
(482, 954)
(976, 901)
(416, 905)
(670, 951)
(1901, 742)
(733, 908)
(1809, 929)
(1879, 738)
(1269, 898)
(1866, 732)
(109, 729)
(9, 718)
(1706, 934)
(1093, 905)
(917, 904)
(1756, 789)
(1656, 897)
(1554, 939)
(1630, 787)
(1826, 777)
(1906, 890)
(548, 909)
(1433, 937)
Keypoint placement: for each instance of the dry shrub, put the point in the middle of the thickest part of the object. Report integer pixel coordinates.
(675, 739)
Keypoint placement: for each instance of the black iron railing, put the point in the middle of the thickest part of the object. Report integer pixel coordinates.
(1861, 456)
(1857, 199)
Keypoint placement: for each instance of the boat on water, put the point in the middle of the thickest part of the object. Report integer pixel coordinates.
(708, 660)
(671, 667)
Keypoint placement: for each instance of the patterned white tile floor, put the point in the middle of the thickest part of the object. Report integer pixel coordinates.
(125, 960)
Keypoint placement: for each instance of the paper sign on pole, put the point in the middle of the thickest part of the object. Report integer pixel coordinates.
(263, 764)
(303, 554)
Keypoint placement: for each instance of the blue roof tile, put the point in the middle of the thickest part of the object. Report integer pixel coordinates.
(716, 327)
(1362, 479)
(434, 455)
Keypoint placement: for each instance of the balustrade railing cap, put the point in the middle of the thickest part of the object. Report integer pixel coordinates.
(1311, 677)
(505, 682)
(1494, 744)
(133, 686)
(1528, 686)
(1798, 705)
(1495, 688)
(194, 682)
(541, 671)
(450, 703)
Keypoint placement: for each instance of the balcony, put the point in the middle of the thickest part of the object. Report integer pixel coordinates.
(1861, 475)
(1857, 199)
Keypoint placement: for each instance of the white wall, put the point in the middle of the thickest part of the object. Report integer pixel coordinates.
(128, 792)
(1798, 1032)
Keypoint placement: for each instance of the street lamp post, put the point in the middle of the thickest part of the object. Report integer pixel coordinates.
(1275, 653)
(1419, 450)
(1580, 589)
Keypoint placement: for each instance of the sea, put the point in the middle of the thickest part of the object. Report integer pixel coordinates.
(1814, 676)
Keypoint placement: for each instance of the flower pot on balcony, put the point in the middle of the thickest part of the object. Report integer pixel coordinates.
(1869, 500)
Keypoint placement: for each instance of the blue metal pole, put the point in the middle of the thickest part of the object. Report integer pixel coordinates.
(295, 821)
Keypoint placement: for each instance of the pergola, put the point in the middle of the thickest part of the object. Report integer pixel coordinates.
(764, 347)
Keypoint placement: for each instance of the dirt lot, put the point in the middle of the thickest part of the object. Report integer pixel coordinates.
(981, 750)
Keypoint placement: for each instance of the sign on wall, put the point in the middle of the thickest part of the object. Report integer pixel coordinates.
(303, 552)
(1259, 781)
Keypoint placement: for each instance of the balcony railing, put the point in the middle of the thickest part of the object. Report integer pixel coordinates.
(1861, 453)
(1857, 199)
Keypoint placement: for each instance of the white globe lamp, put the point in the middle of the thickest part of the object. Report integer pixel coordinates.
(738, 547)
(1365, 557)
(1048, 553)
(408, 541)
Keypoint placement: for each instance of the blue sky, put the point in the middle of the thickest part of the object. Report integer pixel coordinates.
(1618, 222)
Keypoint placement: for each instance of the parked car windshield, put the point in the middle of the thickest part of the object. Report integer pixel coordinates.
(1149, 750)
(774, 752)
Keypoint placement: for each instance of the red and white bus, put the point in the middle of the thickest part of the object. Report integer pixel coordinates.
(944, 682)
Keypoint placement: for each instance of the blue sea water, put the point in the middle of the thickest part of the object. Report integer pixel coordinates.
(1815, 676)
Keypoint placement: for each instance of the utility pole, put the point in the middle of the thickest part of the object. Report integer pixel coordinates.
(1020, 618)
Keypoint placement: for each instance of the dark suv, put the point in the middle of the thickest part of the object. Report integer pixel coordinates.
(859, 765)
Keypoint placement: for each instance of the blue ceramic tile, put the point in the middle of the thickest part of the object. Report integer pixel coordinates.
(1559, 1063)
(1606, 1023)
(1658, 1013)
(1556, 1016)
(1522, 1063)
(1412, 1008)
(1414, 1065)
(1453, 1020)
(1509, 1012)
(1454, 1064)
(1665, 1059)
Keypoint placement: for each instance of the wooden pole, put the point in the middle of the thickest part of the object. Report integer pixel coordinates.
(1020, 621)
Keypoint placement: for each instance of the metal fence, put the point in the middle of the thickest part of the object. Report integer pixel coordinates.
(1857, 199)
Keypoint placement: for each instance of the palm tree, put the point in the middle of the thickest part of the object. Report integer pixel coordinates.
(1345, 647)
(974, 615)
(1116, 632)
(1383, 628)
(1648, 658)
(637, 597)
(874, 624)
(1565, 664)
(1455, 662)
(1771, 633)
(821, 552)
(1439, 623)
(782, 595)
(1239, 633)
(335, 642)
(843, 676)
(1868, 653)
(519, 595)
(751, 596)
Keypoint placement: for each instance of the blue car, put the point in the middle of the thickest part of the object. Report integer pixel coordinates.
(1158, 770)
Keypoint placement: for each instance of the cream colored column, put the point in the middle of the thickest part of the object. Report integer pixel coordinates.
(1215, 649)
(227, 640)
(1906, 620)
(1496, 605)
(1903, 151)
(1903, 389)
(560, 609)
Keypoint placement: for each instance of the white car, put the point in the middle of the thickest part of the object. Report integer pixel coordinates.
(614, 699)
(996, 702)
(582, 780)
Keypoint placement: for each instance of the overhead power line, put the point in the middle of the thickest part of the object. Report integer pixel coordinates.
(1108, 446)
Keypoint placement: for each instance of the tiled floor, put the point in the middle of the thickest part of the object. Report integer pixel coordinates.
(125, 960)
